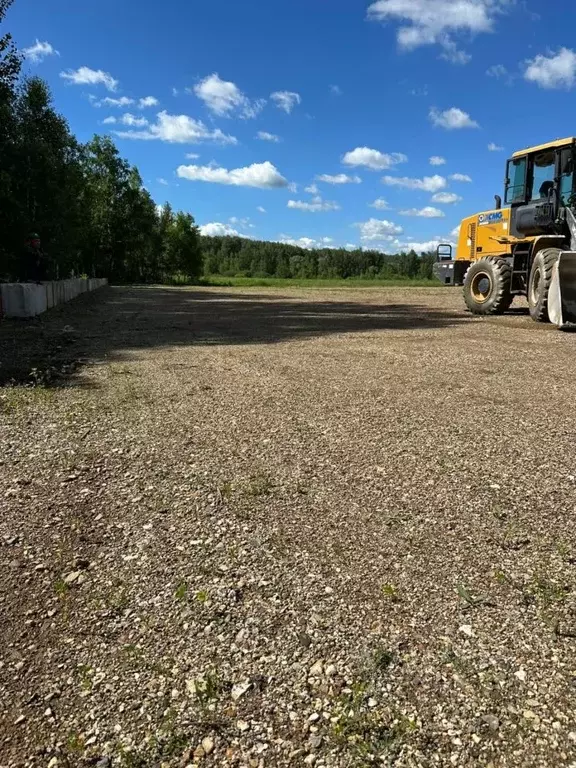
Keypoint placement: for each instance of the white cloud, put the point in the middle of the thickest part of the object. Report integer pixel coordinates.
(553, 71)
(192, 156)
(148, 101)
(225, 98)
(454, 55)
(108, 101)
(317, 205)
(260, 175)
(217, 229)
(425, 247)
(427, 184)
(261, 209)
(494, 147)
(497, 71)
(372, 158)
(452, 119)
(307, 242)
(244, 223)
(286, 100)
(429, 22)
(446, 198)
(87, 76)
(312, 189)
(340, 178)
(39, 51)
(378, 229)
(133, 121)
(436, 160)
(380, 204)
(455, 232)
(162, 181)
(109, 120)
(425, 213)
(179, 129)
(460, 177)
(265, 136)
(336, 90)
(293, 187)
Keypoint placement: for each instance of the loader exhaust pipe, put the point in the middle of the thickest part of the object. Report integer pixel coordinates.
(498, 202)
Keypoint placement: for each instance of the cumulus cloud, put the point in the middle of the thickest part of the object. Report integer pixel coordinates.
(380, 204)
(452, 119)
(418, 247)
(429, 22)
(261, 209)
(340, 178)
(39, 51)
(265, 136)
(378, 230)
(312, 189)
(316, 205)
(455, 232)
(260, 175)
(446, 198)
(218, 229)
(553, 71)
(224, 98)
(425, 213)
(497, 70)
(427, 184)
(178, 129)
(148, 101)
(307, 242)
(133, 121)
(286, 100)
(494, 147)
(109, 120)
(192, 156)
(372, 158)
(87, 76)
(437, 160)
(162, 181)
(460, 177)
(108, 101)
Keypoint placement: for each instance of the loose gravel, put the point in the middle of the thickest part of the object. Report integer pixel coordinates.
(263, 528)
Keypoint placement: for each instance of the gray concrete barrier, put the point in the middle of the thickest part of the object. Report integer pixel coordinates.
(31, 299)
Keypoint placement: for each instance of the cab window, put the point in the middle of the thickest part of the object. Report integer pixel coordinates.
(544, 172)
(516, 189)
(566, 175)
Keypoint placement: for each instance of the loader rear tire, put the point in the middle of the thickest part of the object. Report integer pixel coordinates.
(539, 283)
(487, 286)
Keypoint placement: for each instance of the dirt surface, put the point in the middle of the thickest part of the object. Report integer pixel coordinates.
(286, 528)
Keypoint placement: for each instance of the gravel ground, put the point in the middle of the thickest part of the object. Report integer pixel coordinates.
(286, 528)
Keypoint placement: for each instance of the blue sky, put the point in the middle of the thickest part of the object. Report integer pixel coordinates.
(312, 121)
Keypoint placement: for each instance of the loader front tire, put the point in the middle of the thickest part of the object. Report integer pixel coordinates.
(487, 286)
(539, 283)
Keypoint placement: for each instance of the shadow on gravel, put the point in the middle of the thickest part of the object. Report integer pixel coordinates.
(98, 326)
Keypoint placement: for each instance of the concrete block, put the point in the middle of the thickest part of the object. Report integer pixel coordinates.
(31, 299)
(23, 299)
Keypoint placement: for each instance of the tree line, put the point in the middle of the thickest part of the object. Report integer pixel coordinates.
(238, 256)
(86, 203)
(93, 215)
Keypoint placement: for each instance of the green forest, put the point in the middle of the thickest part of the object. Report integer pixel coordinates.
(94, 217)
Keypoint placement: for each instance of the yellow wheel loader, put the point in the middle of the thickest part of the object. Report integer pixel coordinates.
(527, 248)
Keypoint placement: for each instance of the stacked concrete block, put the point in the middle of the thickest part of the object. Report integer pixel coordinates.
(31, 299)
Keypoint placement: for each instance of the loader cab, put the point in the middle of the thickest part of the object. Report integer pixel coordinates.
(539, 181)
